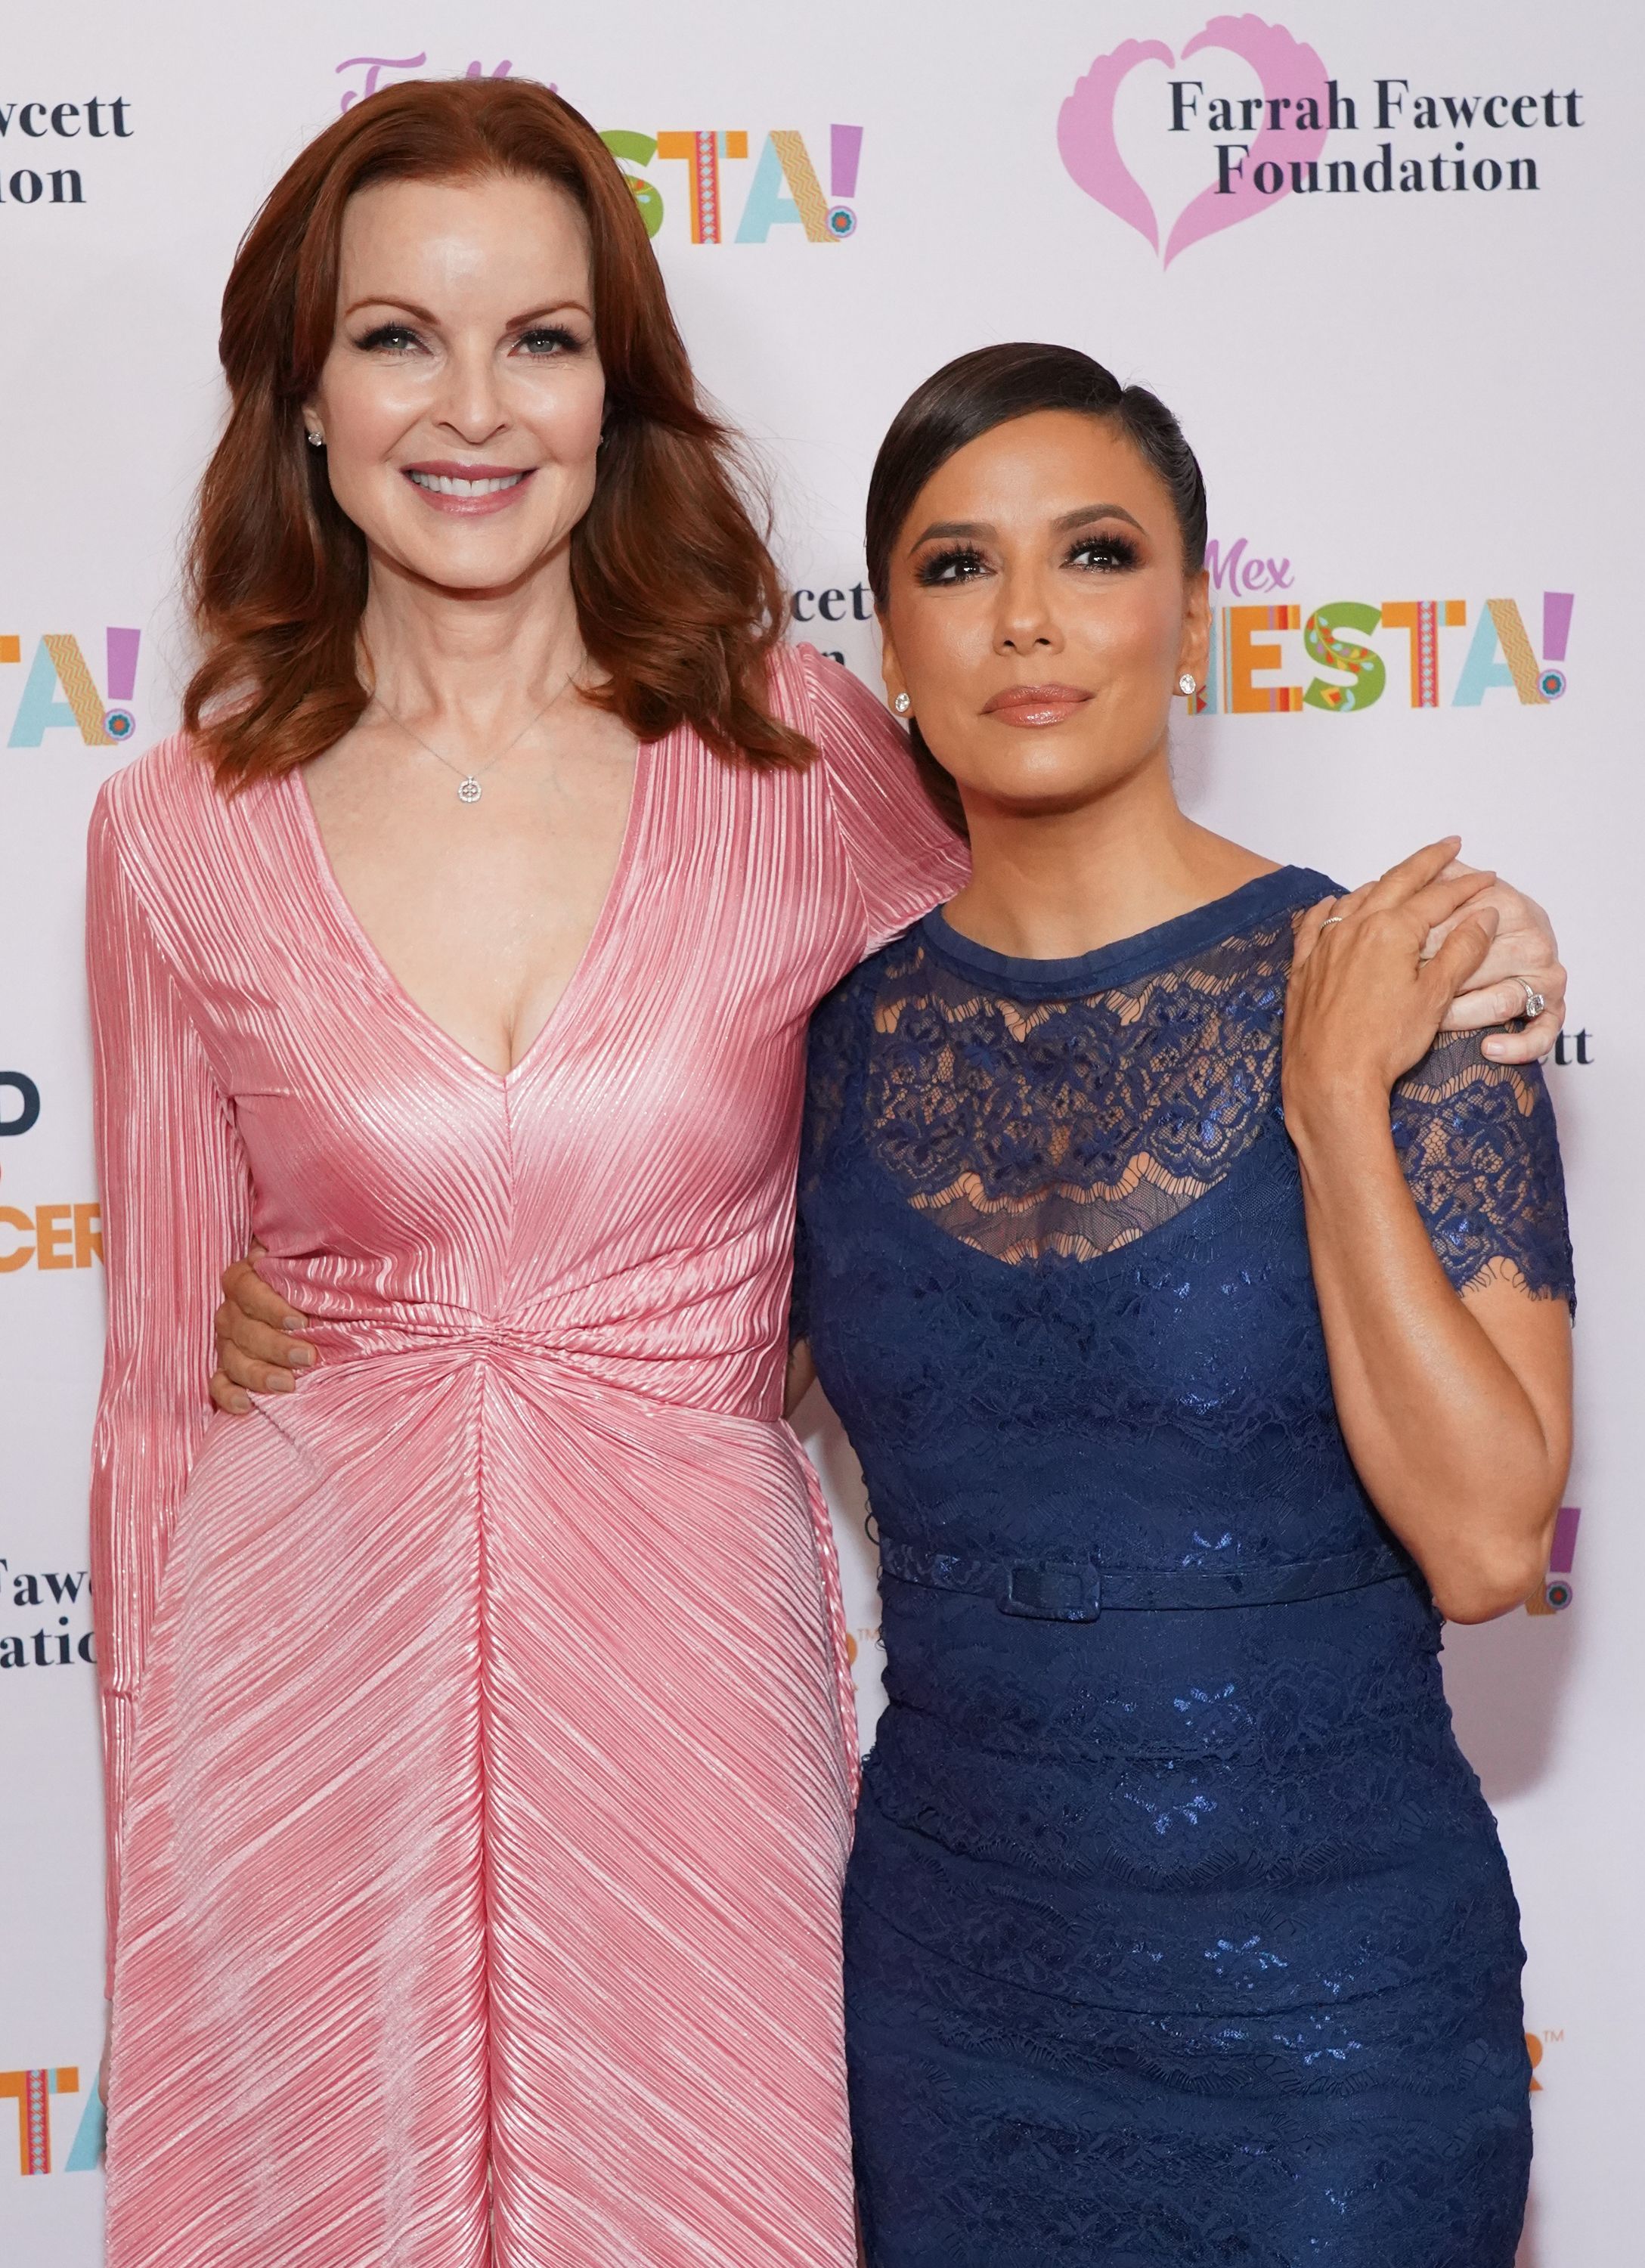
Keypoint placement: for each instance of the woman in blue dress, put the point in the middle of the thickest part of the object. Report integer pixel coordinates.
(1199, 1310)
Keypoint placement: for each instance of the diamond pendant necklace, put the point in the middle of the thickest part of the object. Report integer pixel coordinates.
(468, 782)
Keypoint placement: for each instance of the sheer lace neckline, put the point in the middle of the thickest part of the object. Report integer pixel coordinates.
(1127, 958)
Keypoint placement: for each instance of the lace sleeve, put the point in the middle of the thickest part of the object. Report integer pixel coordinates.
(1481, 1153)
(831, 1054)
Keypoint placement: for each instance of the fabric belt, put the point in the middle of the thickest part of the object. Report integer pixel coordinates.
(1071, 1590)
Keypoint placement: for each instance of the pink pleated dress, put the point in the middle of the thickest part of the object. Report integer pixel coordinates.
(477, 1718)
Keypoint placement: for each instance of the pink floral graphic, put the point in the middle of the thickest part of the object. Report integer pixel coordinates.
(1085, 128)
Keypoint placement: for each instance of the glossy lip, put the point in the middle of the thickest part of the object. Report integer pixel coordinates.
(467, 507)
(1035, 705)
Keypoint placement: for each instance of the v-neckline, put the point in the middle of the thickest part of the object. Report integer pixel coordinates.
(358, 937)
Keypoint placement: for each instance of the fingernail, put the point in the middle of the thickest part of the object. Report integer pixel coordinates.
(292, 1324)
(240, 1404)
(1495, 1048)
(303, 1357)
(281, 1381)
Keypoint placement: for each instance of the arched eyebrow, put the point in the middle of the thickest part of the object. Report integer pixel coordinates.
(426, 315)
(955, 527)
(556, 307)
(1089, 511)
(980, 530)
(387, 299)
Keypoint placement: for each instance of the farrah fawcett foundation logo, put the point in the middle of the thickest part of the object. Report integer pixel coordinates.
(36, 136)
(1305, 133)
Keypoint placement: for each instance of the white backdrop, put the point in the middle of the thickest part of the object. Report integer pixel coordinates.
(1417, 390)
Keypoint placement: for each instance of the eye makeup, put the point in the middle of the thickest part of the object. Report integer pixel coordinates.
(1105, 551)
(542, 342)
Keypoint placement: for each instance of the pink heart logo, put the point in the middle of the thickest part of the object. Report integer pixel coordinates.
(1085, 128)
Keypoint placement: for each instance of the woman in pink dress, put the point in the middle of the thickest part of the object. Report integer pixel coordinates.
(477, 1718)
(478, 1763)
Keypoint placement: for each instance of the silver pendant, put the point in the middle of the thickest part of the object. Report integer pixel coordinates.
(469, 789)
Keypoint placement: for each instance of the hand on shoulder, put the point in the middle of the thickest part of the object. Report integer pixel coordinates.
(1366, 997)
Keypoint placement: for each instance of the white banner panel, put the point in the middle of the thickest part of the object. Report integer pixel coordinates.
(1400, 322)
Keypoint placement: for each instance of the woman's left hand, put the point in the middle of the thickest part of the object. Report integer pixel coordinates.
(1525, 954)
(1366, 998)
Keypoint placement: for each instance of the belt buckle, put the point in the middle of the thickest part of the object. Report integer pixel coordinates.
(1058, 1591)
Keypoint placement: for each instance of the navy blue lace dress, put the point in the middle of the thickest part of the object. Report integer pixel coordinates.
(1178, 1928)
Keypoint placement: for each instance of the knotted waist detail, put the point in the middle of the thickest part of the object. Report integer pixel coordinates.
(742, 1383)
(446, 1338)
(1073, 1589)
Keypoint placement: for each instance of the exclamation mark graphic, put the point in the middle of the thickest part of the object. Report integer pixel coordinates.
(1556, 1590)
(845, 157)
(1556, 636)
(122, 681)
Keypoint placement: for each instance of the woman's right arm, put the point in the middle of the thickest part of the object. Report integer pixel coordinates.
(802, 1373)
(176, 1205)
(258, 1350)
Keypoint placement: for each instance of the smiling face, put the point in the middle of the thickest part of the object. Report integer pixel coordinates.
(461, 398)
(1038, 615)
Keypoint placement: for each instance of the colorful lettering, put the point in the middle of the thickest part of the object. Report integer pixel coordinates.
(1556, 1590)
(1242, 658)
(1423, 618)
(86, 2150)
(59, 666)
(55, 1236)
(703, 152)
(374, 66)
(637, 149)
(1556, 623)
(784, 190)
(30, 2091)
(1360, 663)
(1500, 655)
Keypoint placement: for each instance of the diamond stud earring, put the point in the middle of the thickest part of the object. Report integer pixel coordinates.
(1188, 683)
(901, 704)
(316, 440)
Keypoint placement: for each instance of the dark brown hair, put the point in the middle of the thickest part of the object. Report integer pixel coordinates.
(678, 601)
(970, 396)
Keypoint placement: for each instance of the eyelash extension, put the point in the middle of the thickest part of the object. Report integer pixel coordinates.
(387, 335)
(1117, 551)
(564, 340)
(1107, 552)
(401, 335)
(935, 568)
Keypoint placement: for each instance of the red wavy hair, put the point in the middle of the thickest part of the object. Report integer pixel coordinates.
(677, 597)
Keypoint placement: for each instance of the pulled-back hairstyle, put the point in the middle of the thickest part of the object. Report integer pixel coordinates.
(677, 598)
(991, 387)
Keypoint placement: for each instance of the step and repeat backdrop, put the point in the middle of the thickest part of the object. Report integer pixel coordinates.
(1381, 263)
